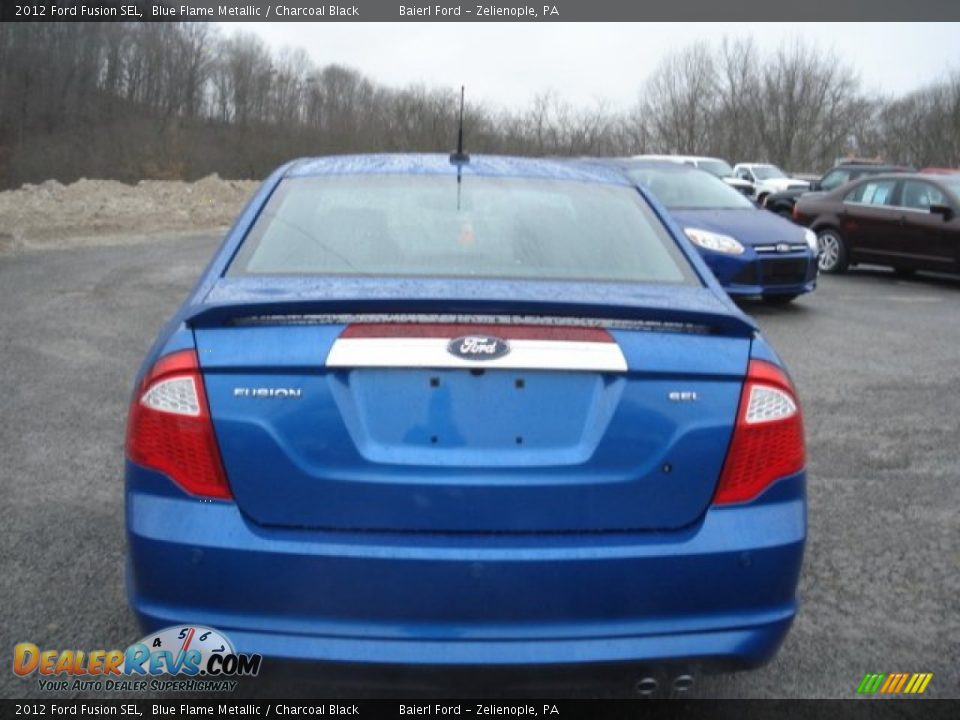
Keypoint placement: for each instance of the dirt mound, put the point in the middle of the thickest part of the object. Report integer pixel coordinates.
(91, 211)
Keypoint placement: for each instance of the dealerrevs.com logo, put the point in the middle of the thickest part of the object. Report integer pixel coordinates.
(205, 656)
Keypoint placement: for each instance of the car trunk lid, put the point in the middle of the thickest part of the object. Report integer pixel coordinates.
(387, 422)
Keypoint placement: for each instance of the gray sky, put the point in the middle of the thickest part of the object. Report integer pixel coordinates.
(507, 63)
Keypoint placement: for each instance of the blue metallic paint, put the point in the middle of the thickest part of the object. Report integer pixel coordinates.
(326, 295)
(751, 227)
(592, 458)
(719, 589)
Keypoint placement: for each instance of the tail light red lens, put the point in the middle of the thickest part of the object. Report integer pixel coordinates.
(767, 440)
(169, 427)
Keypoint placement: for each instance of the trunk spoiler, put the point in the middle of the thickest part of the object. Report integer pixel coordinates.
(258, 301)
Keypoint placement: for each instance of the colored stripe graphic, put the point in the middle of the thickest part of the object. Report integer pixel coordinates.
(870, 683)
(890, 682)
(918, 683)
(894, 683)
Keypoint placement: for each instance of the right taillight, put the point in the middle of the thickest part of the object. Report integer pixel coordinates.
(767, 440)
(169, 427)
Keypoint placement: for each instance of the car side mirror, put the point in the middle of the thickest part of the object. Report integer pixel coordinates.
(944, 210)
(815, 185)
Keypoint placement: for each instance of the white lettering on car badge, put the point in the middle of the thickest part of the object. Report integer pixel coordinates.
(478, 347)
(682, 396)
(267, 392)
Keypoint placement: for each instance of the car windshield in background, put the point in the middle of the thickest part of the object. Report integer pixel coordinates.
(689, 189)
(834, 180)
(767, 172)
(716, 167)
(423, 225)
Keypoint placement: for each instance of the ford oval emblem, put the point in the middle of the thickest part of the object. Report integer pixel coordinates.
(478, 347)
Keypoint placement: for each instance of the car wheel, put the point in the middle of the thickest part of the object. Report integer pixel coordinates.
(832, 251)
(902, 272)
(779, 299)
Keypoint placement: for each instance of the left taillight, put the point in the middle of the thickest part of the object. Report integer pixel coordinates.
(169, 427)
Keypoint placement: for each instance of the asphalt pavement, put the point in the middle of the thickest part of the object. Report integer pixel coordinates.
(876, 361)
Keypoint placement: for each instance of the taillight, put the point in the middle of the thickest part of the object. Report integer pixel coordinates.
(767, 439)
(169, 427)
(795, 214)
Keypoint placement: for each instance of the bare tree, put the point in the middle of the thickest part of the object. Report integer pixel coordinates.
(132, 100)
(734, 115)
(678, 100)
(806, 101)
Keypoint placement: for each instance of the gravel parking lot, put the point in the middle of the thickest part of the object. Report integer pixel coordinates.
(876, 361)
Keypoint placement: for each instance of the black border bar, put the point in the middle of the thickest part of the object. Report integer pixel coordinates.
(862, 709)
(481, 11)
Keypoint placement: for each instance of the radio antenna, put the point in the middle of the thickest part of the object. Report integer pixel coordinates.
(459, 158)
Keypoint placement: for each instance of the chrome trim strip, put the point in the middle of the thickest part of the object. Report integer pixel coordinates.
(407, 352)
(794, 247)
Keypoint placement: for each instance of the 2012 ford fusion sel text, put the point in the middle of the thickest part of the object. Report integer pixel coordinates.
(451, 411)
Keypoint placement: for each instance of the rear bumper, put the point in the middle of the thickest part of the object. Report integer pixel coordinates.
(721, 592)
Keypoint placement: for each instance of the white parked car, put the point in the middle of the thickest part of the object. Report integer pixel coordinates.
(767, 179)
(714, 166)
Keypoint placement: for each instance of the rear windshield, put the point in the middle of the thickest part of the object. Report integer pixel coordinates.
(427, 225)
(680, 189)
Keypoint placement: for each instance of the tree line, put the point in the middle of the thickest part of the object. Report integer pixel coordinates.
(181, 100)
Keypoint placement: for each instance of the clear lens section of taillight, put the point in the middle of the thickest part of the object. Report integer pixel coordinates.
(768, 442)
(768, 404)
(176, 395)
(169, 427)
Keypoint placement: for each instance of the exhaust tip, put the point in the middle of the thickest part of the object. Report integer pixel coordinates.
(682, 683)
(646, 686)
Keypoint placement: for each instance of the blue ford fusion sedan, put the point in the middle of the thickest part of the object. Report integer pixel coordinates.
(486, 412)
(750, 250)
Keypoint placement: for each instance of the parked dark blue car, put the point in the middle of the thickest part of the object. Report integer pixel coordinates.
(750, 250)
(494, 412)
